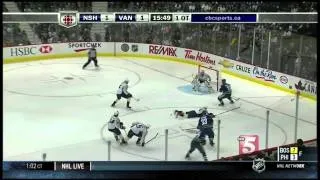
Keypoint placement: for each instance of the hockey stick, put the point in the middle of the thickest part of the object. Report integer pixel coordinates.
(152, 138)
(227, 111)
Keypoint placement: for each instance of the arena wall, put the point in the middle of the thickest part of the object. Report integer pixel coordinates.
(238, 69)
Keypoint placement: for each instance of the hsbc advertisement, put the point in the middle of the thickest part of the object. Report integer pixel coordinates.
(30, 50)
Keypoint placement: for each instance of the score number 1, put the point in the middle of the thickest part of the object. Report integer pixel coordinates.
(107, 18)
(142, 17)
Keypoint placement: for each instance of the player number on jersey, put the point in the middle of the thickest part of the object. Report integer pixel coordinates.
(204, 120)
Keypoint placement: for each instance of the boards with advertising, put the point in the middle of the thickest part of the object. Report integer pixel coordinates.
(242, 70)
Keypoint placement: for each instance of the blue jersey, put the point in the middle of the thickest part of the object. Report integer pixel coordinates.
(205, 121)
(226, 88)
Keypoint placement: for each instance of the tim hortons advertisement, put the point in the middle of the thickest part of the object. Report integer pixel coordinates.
(198, 56)
(265, 74)
(30, 50)
(306, 86)
(163, 50)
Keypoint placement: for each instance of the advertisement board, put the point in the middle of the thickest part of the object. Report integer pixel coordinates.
(240, 69)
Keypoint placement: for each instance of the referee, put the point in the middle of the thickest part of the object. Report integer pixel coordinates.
(92, 56)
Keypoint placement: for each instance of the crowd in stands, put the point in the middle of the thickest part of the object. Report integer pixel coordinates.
(214, 6)
(12, 34)
(220, 39)
(53, 33)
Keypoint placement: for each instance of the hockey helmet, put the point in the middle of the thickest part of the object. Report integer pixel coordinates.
(116, 114)
(224, 81)
(135, 123)
(203, 110)
(202, 72)
(126, 80)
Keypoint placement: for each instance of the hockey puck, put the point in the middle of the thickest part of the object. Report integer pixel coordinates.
(68, 78)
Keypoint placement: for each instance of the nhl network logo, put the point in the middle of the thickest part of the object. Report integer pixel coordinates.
(259, 165)
(68, 18)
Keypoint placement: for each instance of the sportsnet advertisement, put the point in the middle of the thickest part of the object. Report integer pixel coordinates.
(84, 46)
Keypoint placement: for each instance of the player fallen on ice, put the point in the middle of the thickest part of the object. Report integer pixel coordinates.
(190, 114)
(226, 92)
(205, 125)
(201, 78)
(140, 130)
(92, 56)
(114, 126)
(123, 92)
(197, 143)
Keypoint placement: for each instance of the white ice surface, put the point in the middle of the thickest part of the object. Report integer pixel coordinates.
(45, 113)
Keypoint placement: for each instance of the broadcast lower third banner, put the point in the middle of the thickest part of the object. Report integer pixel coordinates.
(147, 166)
(256, 168)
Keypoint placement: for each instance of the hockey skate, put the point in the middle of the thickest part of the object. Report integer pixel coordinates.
(123, 142)
(138, 142)
(128, 105)
(187, 156)
(221, 104)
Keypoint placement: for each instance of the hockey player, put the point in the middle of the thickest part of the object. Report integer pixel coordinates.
(123, 92)
(197, 143)
(226, 92)
(205, 125)
(92, 56)
(114, 126)
(190, 114)
(201, 78)
(140, 130)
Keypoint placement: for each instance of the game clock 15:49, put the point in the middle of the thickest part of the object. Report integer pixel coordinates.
(161, 17)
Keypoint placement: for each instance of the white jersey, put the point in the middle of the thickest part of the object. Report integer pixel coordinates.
(92, 53)
(203, 77)
(123, 88)
(114, 122)
(140, 128)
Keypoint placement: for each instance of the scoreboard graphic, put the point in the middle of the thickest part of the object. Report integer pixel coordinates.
(289, 154)
(72, 18)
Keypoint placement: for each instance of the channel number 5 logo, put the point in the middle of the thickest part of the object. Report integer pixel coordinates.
(248, 144)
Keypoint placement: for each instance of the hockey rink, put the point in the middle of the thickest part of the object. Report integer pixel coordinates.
(57, 108)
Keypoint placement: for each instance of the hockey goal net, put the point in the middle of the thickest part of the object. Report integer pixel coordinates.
(214, 74)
